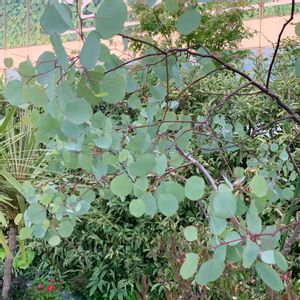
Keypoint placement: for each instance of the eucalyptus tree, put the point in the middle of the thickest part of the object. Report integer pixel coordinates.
(120, 122)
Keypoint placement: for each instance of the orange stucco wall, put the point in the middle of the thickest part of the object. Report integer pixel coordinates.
(265, 35)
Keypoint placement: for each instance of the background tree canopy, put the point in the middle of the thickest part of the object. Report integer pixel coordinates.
(172, 174)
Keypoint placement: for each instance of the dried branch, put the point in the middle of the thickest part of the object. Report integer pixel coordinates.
(278, 43)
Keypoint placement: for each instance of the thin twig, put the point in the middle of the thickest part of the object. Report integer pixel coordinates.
(278, 43)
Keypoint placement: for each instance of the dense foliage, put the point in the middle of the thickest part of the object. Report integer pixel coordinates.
(156, 174)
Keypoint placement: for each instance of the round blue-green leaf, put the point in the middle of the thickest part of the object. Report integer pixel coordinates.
(14, 93)
(110, 18)
(79, 112)
(90, 51)
(209, 271)
(194, 188)
(259, 186)
(288, 193)
(225, 205)
(46, 68)
(121, 185)
(150, 203)
(189, 267)
(167, 204)
(26, 69)
(137, 207)
(171, 5)
(8, 62)
(134, 102)
(36, 213)
(173, 188)
(35, 95)
(38, 231)
(143, 165)
(54, 240)
(269, 276)
(115, 86)
(57, 18)
(188, 22)
(65, 229)
(190, 233)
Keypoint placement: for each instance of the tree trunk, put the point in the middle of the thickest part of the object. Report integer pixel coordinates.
(12, 236)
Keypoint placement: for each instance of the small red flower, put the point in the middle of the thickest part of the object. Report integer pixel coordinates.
(50, 287)
(39, 287)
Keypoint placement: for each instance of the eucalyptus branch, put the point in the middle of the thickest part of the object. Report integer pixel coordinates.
(290, 241)
(261, 87)
(202, 169)
(255, 236)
